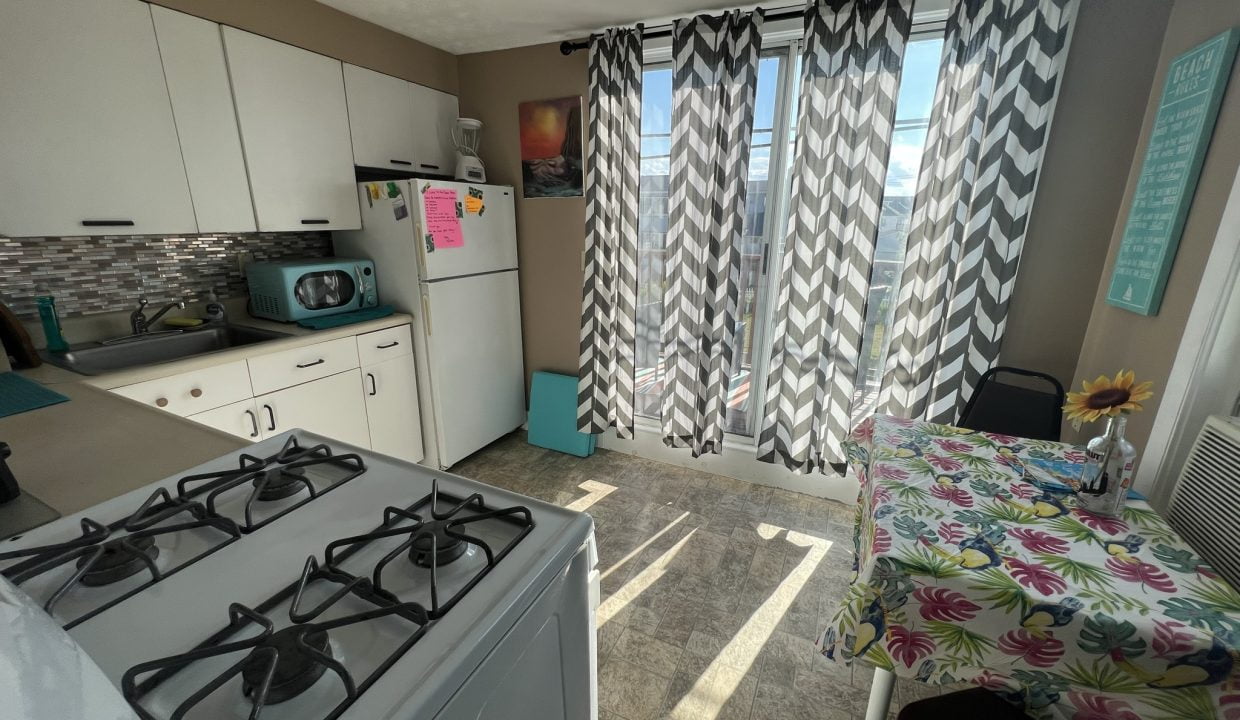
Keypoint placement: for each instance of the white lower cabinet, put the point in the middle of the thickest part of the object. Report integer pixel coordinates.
(318, 388)
(392, 408)
(332, 406)
(239, 418)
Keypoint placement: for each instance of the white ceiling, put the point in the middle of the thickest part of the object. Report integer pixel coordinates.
(465, 26)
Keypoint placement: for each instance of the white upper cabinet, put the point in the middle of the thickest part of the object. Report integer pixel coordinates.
(87, 141)
(380, 119)
(193, 57)
(435, 115)
(295, 131)
(398, 125)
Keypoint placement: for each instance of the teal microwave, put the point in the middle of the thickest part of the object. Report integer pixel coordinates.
(292, 290)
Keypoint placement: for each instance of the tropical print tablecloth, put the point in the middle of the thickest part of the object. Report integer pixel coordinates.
(974, 565)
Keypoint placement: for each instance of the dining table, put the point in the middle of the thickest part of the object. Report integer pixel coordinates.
(973, 564)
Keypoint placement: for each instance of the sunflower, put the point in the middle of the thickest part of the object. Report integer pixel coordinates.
(1107, 397)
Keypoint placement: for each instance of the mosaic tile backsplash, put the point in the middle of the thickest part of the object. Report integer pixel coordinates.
(101, 274)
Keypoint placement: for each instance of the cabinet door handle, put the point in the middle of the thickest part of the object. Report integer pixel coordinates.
(428, 166)
(400, 162)
(107, 223)
(161, 402)
(374, 387)
(196, 392)
(387, 345)
(315, 221)
(320, 361)
(253, 422)
(271, 417)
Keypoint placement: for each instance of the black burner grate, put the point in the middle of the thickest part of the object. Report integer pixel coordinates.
(435, 540)
(107, 553)
(272, 478)
(279, 665)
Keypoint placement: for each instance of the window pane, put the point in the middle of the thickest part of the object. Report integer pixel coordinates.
(651, 236)
(743, 401)
(913, 105)
(652, 230)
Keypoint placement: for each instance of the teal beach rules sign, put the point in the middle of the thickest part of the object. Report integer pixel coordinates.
(1183, 125)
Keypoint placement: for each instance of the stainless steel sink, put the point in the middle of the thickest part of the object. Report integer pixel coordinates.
(98, 358)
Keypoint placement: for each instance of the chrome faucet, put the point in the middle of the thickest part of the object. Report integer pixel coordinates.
(141, 324)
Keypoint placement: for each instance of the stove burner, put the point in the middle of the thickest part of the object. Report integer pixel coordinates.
(434, 541)
(295, 669)
(259, 480)
(119, 559)
(446, 548)
(283, 664)
(281, 482)
(105, 554)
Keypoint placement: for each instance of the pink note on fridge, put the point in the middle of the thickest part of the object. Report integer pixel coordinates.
(443, 217)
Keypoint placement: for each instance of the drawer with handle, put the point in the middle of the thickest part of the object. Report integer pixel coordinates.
(380, 345)
(299, 365)
(193, 392)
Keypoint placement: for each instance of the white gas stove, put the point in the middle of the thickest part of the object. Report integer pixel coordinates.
(305, 578)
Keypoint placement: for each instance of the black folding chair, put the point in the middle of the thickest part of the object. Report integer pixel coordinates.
(1015, 409)
(973, 704)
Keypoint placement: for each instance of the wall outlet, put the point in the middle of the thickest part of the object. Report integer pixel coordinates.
(244, 258)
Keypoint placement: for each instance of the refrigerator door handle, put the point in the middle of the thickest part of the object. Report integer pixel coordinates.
(426, 314)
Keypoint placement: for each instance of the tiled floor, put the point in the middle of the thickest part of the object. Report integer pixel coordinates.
(714, 589)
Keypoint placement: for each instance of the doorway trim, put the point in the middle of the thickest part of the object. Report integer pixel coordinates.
(1176, 422)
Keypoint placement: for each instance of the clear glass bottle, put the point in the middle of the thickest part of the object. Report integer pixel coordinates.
(51, 324)
(1107, 475)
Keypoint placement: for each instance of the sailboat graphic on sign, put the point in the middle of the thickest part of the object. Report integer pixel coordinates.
(1127, 296)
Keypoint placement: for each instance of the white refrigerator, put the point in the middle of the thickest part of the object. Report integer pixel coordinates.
(446, 253)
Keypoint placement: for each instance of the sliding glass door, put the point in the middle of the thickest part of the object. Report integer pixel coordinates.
(763, 198)
(765, 226)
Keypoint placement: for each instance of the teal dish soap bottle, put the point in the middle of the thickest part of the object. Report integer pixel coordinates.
(51, 324)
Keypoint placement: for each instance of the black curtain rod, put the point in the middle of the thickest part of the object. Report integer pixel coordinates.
(568, 47)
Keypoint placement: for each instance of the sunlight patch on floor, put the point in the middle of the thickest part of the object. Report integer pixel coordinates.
(719, 681)
(595, 491)
(637, 550)
(639, 583)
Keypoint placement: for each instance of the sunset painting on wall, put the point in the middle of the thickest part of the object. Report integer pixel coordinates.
(551, 147)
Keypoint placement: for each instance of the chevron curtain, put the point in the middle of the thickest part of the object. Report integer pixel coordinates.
(714, 78)
(609, 295)
(854, 50)
(1001, 67)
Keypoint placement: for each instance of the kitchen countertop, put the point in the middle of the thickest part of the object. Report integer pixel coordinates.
(48, 374)
(100, 445)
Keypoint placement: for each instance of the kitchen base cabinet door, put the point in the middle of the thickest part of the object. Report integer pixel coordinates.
(333, 407)
(392, 408)
(239, 418)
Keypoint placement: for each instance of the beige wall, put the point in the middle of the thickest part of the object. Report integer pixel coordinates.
(325, 30)
(1106, 86)
(1120, 339)
(550, 231)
